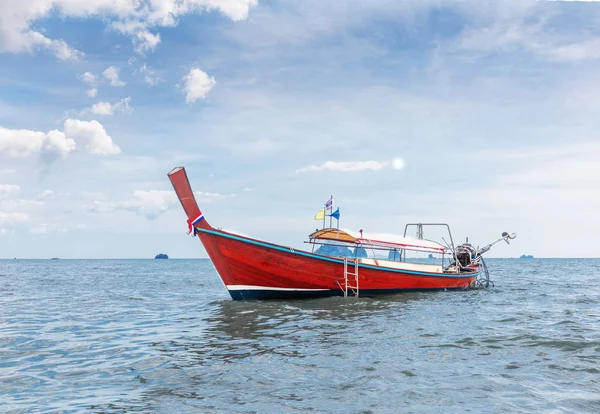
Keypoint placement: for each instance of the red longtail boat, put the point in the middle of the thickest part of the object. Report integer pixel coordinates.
(254, 269)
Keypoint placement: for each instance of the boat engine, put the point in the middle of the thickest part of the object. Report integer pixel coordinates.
(465, 254)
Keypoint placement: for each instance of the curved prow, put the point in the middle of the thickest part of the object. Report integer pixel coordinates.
(184, 192)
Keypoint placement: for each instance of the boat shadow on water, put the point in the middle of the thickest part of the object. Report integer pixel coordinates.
(236, 330)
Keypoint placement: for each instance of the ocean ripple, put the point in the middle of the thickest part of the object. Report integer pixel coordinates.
(163, 336)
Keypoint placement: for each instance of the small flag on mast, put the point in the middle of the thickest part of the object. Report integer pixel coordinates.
(336, 214)
(320, 215)
(329, 204)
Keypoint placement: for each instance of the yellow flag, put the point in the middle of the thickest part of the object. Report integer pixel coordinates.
(320, 215)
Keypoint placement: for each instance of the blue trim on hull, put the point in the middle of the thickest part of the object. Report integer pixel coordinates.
(331, 259)
(279, 294)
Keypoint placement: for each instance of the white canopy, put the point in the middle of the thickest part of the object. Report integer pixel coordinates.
(393, 240)
(384, 240)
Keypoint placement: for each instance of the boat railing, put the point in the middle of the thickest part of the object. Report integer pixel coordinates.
(402, 257)
(420, 234)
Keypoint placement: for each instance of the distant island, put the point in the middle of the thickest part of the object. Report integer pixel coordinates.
(161, 256)
(526, 256)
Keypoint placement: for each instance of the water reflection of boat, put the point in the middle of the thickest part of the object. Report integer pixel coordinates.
(254, 269)
(236, 331)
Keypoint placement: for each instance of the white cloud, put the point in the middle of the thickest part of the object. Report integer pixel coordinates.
(205, 194)
(20, 143)
(145, 41)
(112, 75)
(57, 145)
(488, 26)
(102, 108)
(353, 166)
(15, 211)
(8, 190)
(525, 28)
(16, 35)
(573, 52)
(107, 108)
(569, 167)
(92, 80)
(197, 85)
(88, 77)
(62, 50)
(87, 135)
(151, 203)
(46, 194)
(205, 197)
(345, 166)
(11, 208)
(134, 17)
(92, 135)
(149, 76)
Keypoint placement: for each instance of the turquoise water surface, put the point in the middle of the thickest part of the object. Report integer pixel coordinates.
(164, 336)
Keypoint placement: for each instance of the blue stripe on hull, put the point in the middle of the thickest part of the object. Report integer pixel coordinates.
(290, 294)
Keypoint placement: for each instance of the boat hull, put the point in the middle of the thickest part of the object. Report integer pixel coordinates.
(252, 269)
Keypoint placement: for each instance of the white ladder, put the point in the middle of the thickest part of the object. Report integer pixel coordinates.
(350, 278)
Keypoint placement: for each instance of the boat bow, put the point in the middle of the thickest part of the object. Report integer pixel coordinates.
(185, 194)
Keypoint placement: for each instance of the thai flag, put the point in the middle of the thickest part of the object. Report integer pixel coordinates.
(192, 224)
(329, 204)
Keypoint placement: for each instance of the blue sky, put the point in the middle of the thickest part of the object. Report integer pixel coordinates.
(272, 106)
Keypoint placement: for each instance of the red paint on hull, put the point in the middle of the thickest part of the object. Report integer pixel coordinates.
(242, 261)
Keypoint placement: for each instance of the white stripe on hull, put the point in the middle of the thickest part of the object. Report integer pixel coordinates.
(252, 287)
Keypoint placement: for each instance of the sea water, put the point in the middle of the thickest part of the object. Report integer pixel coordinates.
(164, 336)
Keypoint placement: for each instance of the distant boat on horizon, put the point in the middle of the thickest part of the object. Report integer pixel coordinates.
(161, 256)
(526, 256)
(54, 258)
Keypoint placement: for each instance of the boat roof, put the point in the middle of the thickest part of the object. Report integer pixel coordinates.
(388, 241)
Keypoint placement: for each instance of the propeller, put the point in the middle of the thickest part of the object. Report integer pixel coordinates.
(510, 236)
(506, 236)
